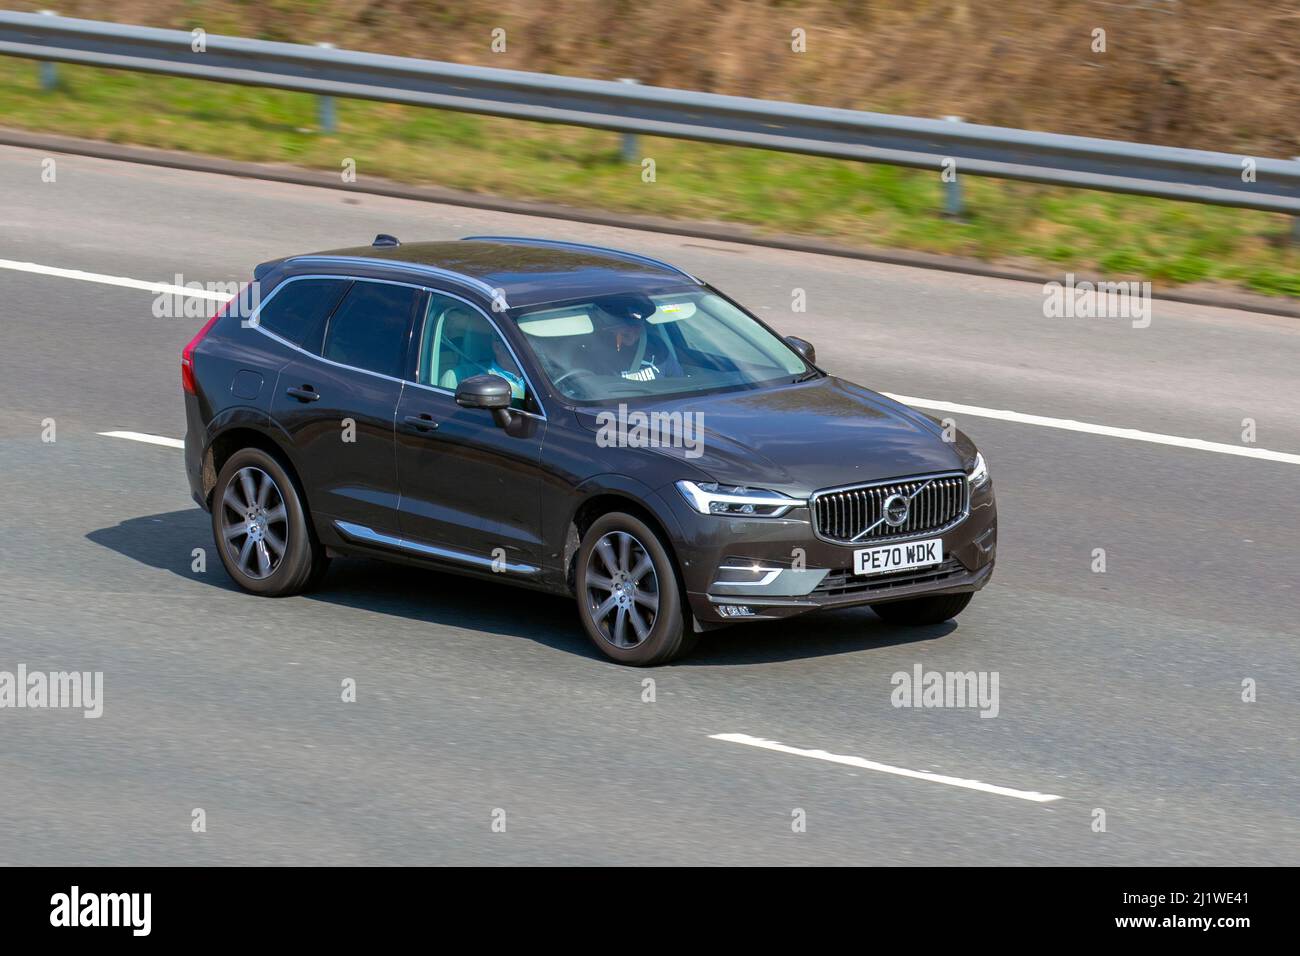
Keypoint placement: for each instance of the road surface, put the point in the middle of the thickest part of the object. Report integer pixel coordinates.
(1119, 691)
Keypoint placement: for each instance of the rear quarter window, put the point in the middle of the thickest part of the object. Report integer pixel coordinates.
(298, 309)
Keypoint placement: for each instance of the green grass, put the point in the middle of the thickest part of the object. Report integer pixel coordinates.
(872, 206)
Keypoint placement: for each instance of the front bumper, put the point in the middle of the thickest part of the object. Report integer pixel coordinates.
(802, 573)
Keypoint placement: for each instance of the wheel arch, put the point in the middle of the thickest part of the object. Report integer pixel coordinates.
(247, 428)
(621, 494)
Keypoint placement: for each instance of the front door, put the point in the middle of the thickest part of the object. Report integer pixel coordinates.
(470, 489)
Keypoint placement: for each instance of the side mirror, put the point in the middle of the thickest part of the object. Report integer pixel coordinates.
(803, 347)
(486, 391)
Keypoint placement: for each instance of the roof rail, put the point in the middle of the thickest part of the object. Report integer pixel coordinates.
(496, 295)
(635, 257)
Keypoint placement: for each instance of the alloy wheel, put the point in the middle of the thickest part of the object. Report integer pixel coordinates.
(624, 600)
(254, 522)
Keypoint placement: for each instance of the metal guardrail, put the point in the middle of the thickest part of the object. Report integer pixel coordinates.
(1225, 179)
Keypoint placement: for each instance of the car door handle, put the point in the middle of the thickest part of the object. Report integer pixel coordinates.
(424, 423)
(304, 394)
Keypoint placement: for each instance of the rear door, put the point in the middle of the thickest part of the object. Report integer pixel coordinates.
(337, 399)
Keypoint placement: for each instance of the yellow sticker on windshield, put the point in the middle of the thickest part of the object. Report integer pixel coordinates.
(672, 312)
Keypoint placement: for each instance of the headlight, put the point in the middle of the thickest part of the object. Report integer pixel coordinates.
(710, 498)
(979, 473)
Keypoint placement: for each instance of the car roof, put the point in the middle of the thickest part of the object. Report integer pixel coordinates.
(527, 271)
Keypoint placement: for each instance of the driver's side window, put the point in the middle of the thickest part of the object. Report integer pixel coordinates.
(459, 342)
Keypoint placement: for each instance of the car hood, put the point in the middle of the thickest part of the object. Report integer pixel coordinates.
(795, 438)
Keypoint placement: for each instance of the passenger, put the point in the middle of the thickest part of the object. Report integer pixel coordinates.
(503, 364)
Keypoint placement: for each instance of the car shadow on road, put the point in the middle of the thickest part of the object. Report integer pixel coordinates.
(820, 634)
(166, 542)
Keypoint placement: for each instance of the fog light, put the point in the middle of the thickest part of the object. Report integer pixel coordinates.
(735, 610)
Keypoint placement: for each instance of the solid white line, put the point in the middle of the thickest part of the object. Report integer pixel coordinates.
(863, 764)
(154, 287)
(1001, 414)
(147, 439)
(1069, 425)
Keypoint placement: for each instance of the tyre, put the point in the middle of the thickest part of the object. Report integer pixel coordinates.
(923, 610)
(629, 597)
(261, 528)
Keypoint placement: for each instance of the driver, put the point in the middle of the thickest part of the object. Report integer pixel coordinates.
(638, 360)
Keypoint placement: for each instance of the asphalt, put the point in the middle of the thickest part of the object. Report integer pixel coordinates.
(1119, 691)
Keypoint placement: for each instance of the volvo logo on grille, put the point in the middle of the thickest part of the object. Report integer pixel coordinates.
(895, 510)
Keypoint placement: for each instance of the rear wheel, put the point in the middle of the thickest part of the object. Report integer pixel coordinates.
(924, 610)
(628, 596)
(261, 527)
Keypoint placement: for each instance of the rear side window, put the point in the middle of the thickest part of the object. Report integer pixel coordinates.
(298, 309)
(369, 329)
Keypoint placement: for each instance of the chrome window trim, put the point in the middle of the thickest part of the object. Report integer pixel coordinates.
(254, 322)
(926, 477)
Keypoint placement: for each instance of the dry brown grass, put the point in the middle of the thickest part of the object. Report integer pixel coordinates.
(1221, 74)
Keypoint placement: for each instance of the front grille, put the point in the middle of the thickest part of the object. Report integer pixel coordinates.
(851, 515)
(840, 583)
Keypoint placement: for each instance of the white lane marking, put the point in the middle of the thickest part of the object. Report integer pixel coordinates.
(147, 439)
(1005, 415)
(1032, 795)
(154, 287)
(1069, 425)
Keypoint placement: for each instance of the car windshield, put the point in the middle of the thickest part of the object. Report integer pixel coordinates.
(631, 345)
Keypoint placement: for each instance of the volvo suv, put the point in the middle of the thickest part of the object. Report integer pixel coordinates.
(573, 419)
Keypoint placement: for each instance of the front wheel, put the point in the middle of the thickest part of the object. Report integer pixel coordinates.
(923, 610)
(628, 596)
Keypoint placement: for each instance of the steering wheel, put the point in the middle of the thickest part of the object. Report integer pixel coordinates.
(571, 373)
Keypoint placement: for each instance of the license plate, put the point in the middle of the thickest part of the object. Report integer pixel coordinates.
(898, 557)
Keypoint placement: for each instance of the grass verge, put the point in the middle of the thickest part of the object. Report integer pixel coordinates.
(1056, 230)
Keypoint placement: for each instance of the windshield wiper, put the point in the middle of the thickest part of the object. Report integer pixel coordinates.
(806, 377)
